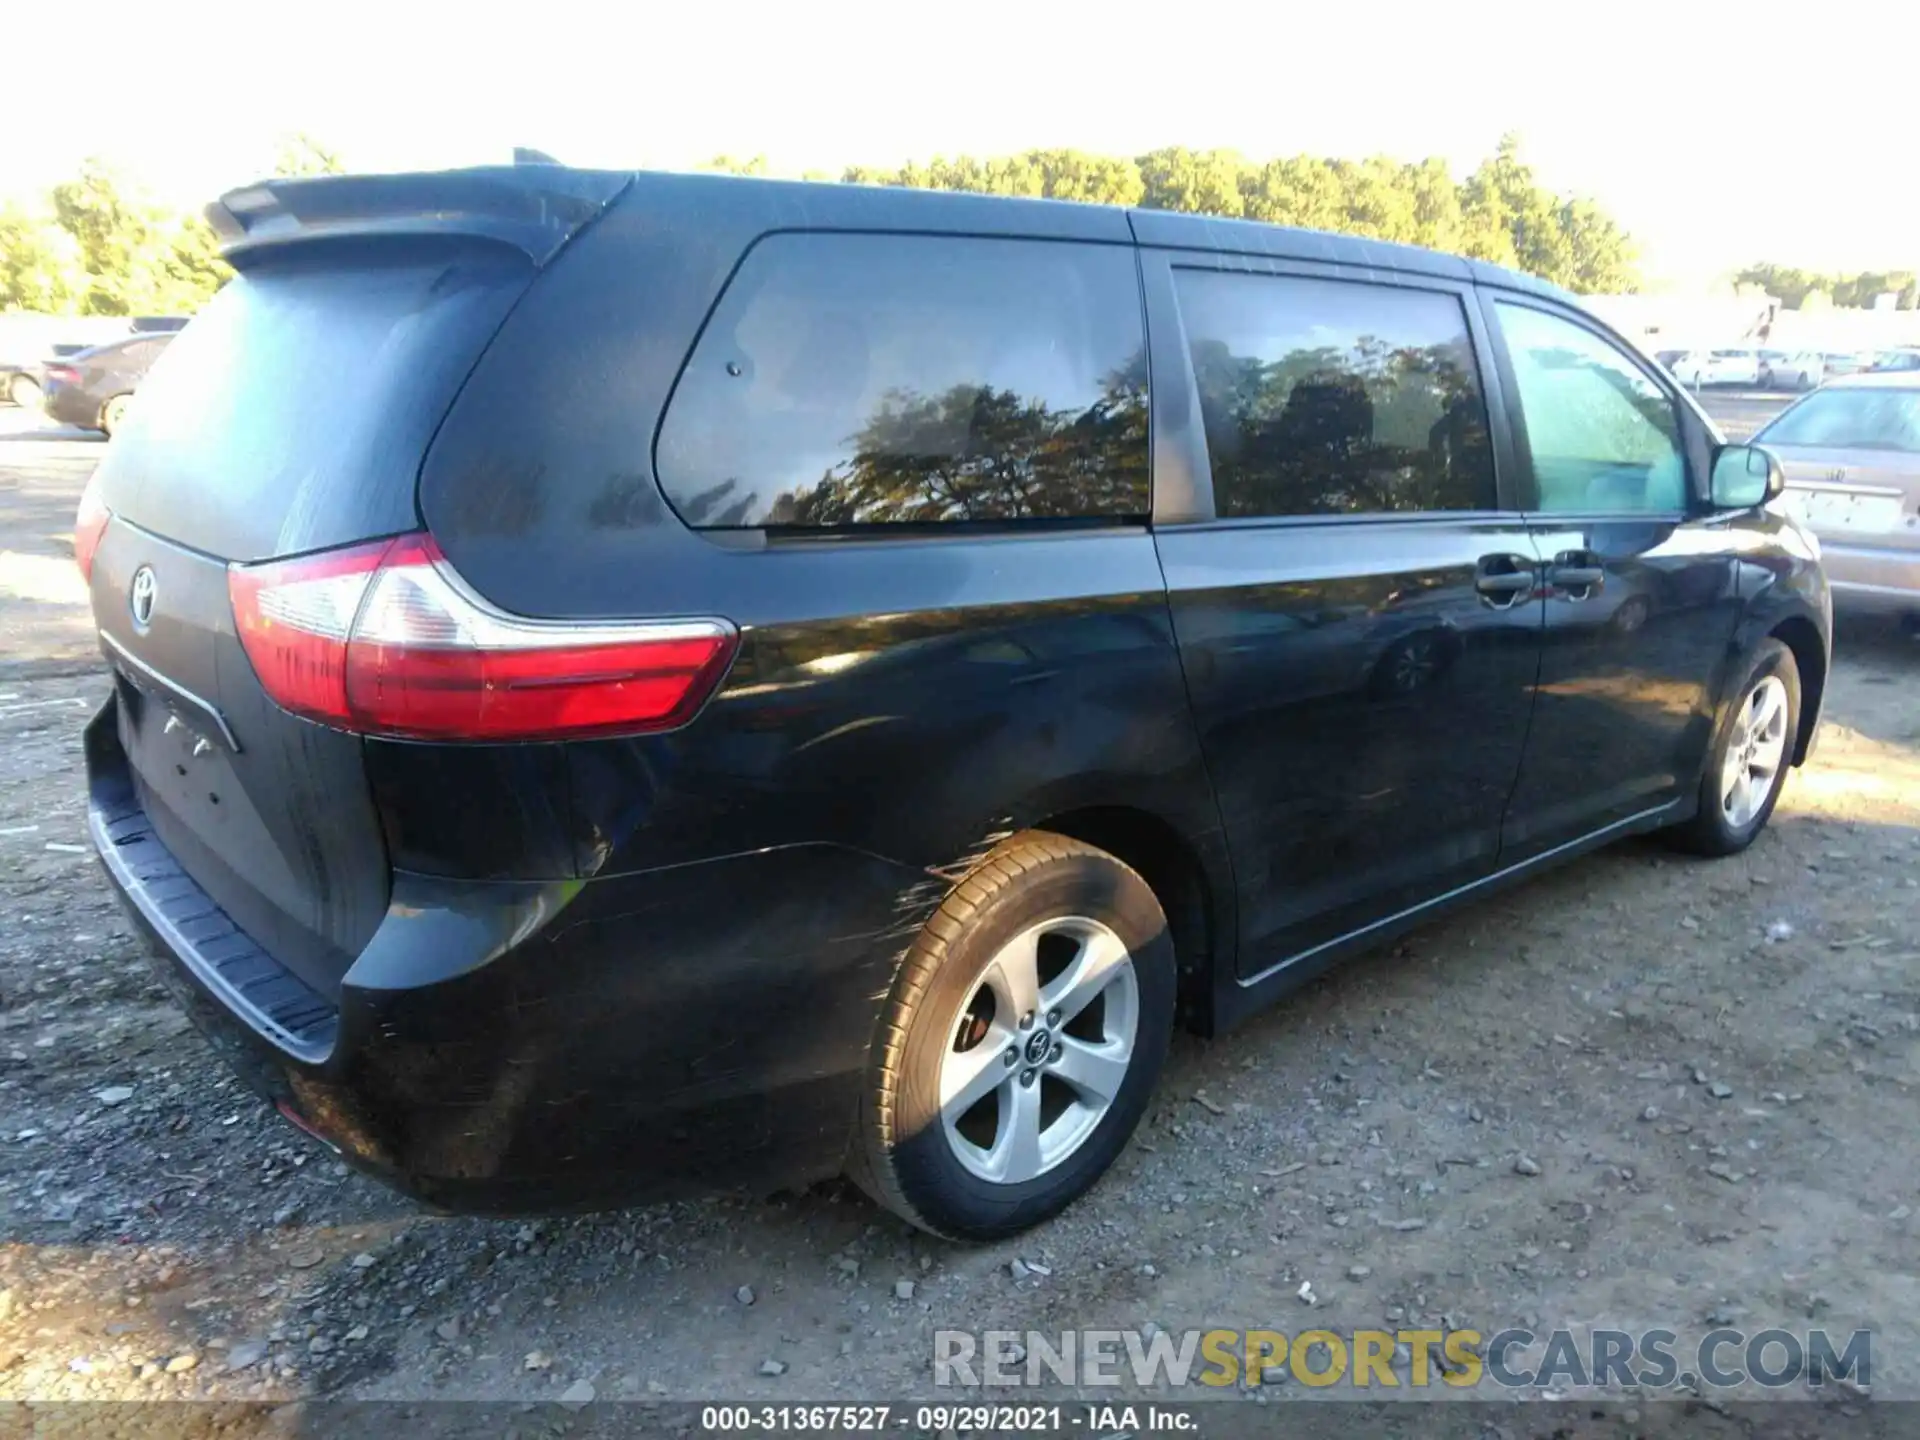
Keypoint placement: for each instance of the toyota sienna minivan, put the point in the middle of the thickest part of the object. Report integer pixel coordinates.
(628, 682)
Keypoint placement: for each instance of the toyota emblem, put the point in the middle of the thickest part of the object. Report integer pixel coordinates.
(140, 597)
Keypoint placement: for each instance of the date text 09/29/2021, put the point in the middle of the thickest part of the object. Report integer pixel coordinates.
(937, 1419)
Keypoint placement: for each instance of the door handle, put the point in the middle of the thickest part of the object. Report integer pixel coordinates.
(1577, 574)
(1504, 580)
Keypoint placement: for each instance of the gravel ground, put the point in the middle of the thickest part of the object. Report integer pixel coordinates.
(1641, 1091)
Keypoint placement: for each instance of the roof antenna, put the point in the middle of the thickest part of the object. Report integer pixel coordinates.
(524, 156)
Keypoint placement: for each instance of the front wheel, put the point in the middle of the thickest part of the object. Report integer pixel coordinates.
(25, 392)
(1747, 765)
(1022, 1041)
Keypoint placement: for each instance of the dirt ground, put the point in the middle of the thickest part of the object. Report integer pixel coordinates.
(1709, 1068)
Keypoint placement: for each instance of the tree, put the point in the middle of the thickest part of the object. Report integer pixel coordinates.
(1599, 254)
(1379, 201)
(1097, 179)
(133, 258)
(40, 265)
(731, 165)
(1440, 223)
(1304, 191)
(301, 155)
(112, 234)
(1205, 182)
(1796, 289)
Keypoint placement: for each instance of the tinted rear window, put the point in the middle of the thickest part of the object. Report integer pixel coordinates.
(1330, 397)
(856, 380)
(293, 412)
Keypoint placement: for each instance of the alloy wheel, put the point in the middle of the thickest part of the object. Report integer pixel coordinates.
(1041, 1049)
(1755, 752)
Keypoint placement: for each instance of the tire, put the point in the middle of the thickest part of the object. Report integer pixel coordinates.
(112, 414)
(950, 1001)
(1723, 827)
(25, 392)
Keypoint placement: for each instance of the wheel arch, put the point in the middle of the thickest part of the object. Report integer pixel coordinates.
(1196, 898)
(1801, 637)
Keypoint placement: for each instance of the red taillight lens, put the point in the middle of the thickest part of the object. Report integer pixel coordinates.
(385, 640)
(63, 374)
(89, 524)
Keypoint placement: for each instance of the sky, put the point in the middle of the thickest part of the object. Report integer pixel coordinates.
(1717, 135)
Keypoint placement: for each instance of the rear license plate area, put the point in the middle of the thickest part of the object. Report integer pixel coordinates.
(178, 763)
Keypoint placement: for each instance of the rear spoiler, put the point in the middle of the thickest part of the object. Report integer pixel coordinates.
(533, 208)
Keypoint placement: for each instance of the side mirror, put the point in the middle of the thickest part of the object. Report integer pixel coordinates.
(1745, 476)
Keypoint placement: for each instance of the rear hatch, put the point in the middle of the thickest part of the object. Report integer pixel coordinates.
(1854, 496)
(292, 416)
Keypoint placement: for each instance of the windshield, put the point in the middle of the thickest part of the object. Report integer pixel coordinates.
(1850, 420)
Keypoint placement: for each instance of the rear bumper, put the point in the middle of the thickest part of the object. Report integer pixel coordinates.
(1865, 577)
(518, 1047)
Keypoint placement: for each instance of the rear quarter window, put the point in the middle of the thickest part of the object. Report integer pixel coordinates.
(850, 380)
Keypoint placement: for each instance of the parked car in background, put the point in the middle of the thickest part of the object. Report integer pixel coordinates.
(1845, 362)
(631, 683)
(1851, 452)
(1905, 358)
(92, 389)
(1794, 370)
(1699, 368)
(1667, 359)
(29, 342)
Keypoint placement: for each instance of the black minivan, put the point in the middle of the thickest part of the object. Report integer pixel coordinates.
(627, 682)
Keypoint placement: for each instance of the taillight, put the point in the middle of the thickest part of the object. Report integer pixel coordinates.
(64, 374)
(384, 639)
(89, 524)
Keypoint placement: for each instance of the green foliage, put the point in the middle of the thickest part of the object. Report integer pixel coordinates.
(1808, 289)
(734, 165)
(40, 266)
(1205, 182)
(1499, 213)
(301, 155)
(100, 248)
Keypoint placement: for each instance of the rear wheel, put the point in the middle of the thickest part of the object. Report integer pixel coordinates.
(1021, 1043)
(1747, 765)
(112, 413)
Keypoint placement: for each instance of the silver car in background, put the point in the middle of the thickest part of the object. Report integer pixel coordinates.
(1851, 450)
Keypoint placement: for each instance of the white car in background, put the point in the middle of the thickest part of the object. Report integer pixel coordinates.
(1794, 370)
(1698, 368)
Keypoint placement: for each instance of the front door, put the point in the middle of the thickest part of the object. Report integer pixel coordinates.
(1359, 622)
(1640, 590)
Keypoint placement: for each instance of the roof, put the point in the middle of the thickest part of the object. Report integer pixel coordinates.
(537, 207)
(802, 202)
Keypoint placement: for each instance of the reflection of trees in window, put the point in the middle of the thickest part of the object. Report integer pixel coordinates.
(1332, 430)
(974, 452)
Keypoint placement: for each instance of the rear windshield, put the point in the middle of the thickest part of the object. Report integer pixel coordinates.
(293, 412)
(1851, 419)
